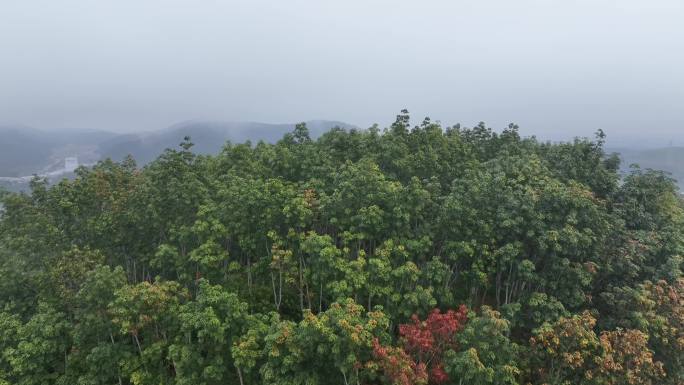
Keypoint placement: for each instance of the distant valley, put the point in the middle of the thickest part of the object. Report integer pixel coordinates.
(27, 151)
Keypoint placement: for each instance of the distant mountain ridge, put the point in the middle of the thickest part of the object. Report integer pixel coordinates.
(26, 150)
(208, 137)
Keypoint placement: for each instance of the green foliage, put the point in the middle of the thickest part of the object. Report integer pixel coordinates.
(300, 262)
(209, 325)
(332, 344)
(40, 354)
(485, 354)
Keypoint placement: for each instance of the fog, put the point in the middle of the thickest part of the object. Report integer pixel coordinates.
(557, 68)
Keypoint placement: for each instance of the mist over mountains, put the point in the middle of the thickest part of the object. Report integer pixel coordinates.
(669, 159)
(208, 137)
(25, 151)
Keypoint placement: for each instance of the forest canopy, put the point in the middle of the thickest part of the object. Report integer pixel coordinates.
(412, 255)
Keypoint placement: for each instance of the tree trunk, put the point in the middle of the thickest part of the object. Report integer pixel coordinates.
(111, 337)
(239, 372)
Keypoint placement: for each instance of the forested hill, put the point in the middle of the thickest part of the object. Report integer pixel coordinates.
(27, 151)
(208, 136)
(412, 255)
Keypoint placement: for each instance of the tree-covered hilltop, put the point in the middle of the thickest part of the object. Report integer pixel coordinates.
(407, 256)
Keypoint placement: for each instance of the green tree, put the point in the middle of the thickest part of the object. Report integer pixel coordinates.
(485, 354)
(329, 347)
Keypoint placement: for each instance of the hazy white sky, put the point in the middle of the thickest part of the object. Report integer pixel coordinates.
(556, 67)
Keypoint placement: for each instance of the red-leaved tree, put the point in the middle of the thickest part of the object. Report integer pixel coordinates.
(424, 342)
(398, 367)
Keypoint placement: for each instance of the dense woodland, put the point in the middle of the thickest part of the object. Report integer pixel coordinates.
(413, 255)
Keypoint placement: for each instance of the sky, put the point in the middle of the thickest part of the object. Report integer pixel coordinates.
(558, 68)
